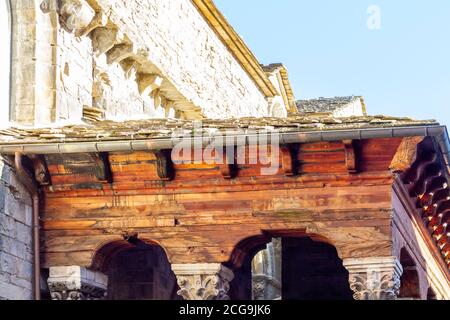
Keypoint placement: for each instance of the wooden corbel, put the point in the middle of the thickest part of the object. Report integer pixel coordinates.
(350, 156)
(287, 161)
(164, 165)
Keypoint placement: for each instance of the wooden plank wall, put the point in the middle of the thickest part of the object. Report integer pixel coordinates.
(200, 215)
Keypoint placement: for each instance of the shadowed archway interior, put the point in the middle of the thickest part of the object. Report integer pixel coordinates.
(141, 272)
(310, 270)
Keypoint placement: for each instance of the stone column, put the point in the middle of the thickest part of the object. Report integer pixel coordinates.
(376, 278)
(203, 281)
(76, 283)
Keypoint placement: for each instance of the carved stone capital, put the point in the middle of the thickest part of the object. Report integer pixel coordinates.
(76, 283)
(203, 281)
(265, 287)
(374, 278)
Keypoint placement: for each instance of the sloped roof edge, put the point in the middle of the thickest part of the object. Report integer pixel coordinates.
(292, 105)
(236, 45)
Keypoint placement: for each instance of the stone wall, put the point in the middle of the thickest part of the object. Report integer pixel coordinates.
(132, 59)
(180, 43)
(16, 256)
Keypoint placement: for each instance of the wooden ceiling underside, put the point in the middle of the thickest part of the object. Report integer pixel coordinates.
(427, 182)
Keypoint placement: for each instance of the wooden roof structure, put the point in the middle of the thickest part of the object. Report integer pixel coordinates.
(103, 181)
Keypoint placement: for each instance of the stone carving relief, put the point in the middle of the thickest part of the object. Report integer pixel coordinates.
(265, 288)
(76, 283)
(375, 285)
(266, 272)
(374, 278)
(203, 281)
(69, 291)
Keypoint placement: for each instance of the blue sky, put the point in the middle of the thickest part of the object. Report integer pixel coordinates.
(401, 69)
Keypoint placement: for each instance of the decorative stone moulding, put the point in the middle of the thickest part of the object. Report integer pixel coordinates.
(104, 39)
(203, 281)
(375, 278)
(148, 83)
(76, 283)
(100, 20)
(120, 52)
(80, 19)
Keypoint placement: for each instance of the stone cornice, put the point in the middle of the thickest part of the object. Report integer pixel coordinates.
(236, 45)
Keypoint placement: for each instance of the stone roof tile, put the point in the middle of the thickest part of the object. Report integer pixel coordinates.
(165, 128)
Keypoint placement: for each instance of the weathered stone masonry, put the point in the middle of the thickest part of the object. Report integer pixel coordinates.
(75, 54)
(16, 269)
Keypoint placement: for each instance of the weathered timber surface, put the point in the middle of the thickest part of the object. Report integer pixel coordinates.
(201, 213)
(207, 227)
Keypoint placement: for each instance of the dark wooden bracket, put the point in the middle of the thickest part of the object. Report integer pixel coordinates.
(350, 156)
(164, 165)
(104, 175)
(287, 161)
(228, 169)
(41, 173)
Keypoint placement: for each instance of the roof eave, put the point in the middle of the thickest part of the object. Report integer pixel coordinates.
(151, 144)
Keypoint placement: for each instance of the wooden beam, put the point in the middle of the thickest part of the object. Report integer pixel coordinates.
(228, 169)
(350, 156)
(105, 174)
(406, 154)
(164, 165)
(41, 172)
(287, 161)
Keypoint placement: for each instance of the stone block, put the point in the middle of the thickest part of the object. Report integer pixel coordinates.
(10, 291)
(8, 263)
(7, 226)
(23, 233)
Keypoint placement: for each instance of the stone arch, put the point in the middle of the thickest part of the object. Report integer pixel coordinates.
(313, 270)
(137, 269)
(107, 250)
(242, 259)
(291, 242)
(5, 59)
(255, 243)
(409, 281)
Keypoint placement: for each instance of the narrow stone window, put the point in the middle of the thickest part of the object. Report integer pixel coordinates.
(5, 62)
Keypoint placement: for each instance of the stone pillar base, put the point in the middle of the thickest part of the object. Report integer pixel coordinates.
(203, 281)
(76, 283)
(375, 278)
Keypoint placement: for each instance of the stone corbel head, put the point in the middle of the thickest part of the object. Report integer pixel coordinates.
(75, 15)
